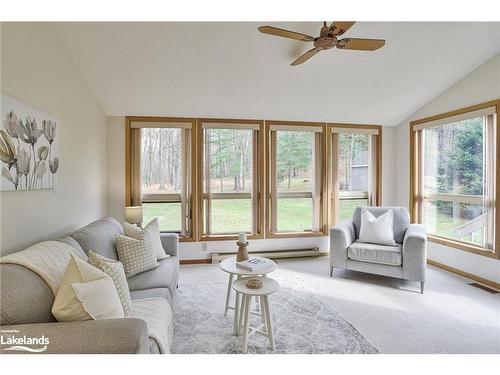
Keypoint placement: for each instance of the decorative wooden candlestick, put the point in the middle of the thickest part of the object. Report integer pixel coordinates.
(242, 253)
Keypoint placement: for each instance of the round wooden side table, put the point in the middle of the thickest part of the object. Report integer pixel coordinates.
(269, 286)
(229, 265)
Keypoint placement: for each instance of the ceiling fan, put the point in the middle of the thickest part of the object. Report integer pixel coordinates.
(328, 38)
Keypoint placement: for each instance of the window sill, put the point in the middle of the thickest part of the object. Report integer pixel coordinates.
(464, 246)
(295, 235)
(228, 237)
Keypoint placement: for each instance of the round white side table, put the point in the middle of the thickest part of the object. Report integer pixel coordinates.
(229, 265)
(269, 286)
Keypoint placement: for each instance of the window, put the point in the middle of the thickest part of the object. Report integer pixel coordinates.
(355, 168)
(295, 178)
(164, 180)
(230, 192)
(454, 178)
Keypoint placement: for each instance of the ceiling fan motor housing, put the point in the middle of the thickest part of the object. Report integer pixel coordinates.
(325, 42)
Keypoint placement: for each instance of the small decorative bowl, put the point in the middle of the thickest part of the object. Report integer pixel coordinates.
(254, 284)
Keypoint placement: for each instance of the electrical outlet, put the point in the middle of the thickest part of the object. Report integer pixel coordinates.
(204, 246)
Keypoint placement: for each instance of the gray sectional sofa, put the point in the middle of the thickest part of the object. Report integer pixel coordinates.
(26, 300)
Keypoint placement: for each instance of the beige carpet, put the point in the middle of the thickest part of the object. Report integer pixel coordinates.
(390, 314)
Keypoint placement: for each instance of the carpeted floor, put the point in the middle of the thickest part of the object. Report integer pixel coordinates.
(303, 323)
(350, 313)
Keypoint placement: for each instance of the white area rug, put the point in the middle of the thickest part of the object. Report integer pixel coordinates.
(450, 317)
(304, 322)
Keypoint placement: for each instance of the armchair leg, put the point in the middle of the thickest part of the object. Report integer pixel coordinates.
(422, 287)
(331, 271)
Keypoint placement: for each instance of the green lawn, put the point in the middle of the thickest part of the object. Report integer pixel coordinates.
(234, 216)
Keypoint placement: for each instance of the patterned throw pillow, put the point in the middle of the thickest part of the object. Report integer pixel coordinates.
(136, 255)
(151, 229)
(114, 269)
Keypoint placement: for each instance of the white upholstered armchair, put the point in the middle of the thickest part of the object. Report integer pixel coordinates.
(407, 260)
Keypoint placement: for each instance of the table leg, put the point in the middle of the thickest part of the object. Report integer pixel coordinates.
(241, 316)
(236, 323)
(228, 293)
(262, 312)
(269, 322)
(247, 307)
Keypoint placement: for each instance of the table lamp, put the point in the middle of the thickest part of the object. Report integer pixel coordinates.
(133, 215)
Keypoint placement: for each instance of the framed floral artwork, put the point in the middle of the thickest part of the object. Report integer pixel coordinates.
(28, 147)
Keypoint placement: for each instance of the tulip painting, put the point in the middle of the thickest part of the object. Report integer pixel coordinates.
(28, 147)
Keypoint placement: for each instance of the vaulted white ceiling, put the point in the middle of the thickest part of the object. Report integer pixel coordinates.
(231, 70)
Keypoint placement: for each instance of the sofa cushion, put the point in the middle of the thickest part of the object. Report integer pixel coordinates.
(155, 292)
(68, 240)
(373, 253)
(99, 237)
(163, 276)
(25, 297)
(401, 220)
(86, 293)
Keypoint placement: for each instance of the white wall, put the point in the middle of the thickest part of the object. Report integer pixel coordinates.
(116, 167)
(190, 250)
(481, 85)
(37, 69)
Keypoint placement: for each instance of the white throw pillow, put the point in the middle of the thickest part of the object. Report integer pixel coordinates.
(114, 269)
(151, 229)
(378, 230)
(86, 293)
(136, 255)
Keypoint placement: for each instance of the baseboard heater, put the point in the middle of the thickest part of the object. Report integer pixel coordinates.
(272, 254)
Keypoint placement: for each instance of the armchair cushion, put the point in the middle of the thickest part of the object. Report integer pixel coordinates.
(400, 222)
(374, 253)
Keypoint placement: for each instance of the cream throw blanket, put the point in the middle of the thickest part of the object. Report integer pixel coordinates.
(50, 259)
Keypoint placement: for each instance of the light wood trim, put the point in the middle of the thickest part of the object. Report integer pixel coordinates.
(295, 234)
(195, 261)
(128, 159)
(294, 123)
(455, 112)
(463, 246)
(332, 194)
(228, 237)
(270, 199)
(258, 142)
(128, 163)
(415, 152)
(478, 279)
(497, 182)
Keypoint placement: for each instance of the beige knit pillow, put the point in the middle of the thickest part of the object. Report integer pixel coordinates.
(151, 229)
(136, 255)
(86, 293)
(114, 269)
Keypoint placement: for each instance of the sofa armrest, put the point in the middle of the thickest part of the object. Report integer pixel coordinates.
(110, 336)
(415, 253)
(170, 242)
(342, 236)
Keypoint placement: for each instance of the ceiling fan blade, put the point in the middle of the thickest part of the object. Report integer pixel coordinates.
(338, 28)
(306, 56)
(360, 44)
(285, 33)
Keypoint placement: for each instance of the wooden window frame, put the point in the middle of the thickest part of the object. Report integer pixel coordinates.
(257, 165)
(270, 194)
(333, 202)
(167, 197)
(416, 162)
